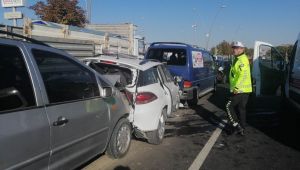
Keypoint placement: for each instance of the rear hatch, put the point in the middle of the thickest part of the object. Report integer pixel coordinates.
(123, 77)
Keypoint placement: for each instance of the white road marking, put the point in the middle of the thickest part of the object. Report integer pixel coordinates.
(196, 165)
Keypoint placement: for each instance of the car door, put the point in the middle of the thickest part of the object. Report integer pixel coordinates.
(269, 75)
(269, 70)
(24, 127)
(170, 86)
(78, 116)
(294, 77)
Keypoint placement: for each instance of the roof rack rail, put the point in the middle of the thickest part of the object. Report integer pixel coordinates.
(23, 37)
(176, 43)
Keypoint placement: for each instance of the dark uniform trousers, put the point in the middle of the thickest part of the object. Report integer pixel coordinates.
(237, 102)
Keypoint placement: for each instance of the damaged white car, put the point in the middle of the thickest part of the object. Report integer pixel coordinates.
(151, 90)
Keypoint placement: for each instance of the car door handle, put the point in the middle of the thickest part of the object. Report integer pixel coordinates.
(60, 121)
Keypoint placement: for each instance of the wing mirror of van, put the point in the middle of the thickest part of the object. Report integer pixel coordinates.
(177, 79)
(107, 92)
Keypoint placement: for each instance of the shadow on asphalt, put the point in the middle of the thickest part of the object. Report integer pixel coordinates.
(121, 168)
(187, 127)
(283, 131)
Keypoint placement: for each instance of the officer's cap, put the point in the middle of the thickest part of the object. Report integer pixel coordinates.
(237, 44)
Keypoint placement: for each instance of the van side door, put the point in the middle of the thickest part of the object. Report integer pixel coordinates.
(269, 69)
(269, 77)
(79, 118)
(24, 127)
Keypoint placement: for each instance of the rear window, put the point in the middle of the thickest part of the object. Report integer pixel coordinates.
(175, 57)
(109, 69)
(148, 77)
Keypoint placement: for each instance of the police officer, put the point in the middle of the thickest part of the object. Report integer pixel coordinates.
(240, 88)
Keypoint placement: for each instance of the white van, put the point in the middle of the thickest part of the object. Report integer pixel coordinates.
(294, 75)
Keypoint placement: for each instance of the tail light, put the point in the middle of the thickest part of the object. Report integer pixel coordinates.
(145, 97)
(107, 62)
(187, 84)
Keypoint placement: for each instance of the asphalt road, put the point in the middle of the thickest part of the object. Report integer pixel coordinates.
(264, 147)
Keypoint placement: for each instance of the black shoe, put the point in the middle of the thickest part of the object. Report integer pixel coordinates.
(229, 129)
(240, 130)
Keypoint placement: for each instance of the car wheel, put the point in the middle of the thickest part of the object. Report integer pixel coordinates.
(215, 87)
(157, 136)
(194, 100)
(120, 140)
(224, 79)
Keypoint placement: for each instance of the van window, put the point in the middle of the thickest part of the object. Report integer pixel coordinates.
(16, 90)
(207, 59)
(64, 79)
(175, 57)
(270, 57)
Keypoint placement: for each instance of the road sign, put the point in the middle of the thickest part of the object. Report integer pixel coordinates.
(12, 3)
(13, 15)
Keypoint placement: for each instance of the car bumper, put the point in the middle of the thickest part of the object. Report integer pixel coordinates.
(146, 116)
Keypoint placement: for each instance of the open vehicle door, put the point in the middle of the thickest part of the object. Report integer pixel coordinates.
(294, 76)
(269, 76)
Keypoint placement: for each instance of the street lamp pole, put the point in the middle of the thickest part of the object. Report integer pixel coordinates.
(195, 30)
(88, 7)
(212, 25)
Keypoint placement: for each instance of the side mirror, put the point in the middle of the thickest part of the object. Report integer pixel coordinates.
(220, 68)
(9, 92)
(107, 92)
(177, 79)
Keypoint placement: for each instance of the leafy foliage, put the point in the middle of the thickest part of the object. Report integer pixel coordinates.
(285, 50)
(224, 48)
(60, 11)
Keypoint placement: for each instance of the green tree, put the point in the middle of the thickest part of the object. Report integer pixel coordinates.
(60, 11)
(249, 52)
(223, 48)
(285, 50)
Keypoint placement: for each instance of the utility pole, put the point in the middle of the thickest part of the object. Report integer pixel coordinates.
(14, 20)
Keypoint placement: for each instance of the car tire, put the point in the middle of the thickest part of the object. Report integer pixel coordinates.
(120, 140)
(215, 87)
(224, 80)
(156, 137)
(194, 101)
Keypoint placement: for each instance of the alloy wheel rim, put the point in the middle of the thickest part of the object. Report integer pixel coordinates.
(123, 139)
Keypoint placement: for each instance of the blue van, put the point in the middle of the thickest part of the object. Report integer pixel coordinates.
(195, 66)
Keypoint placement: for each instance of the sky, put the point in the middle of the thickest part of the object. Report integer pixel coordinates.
(201, 22)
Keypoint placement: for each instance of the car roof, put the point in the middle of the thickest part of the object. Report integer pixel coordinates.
(126, 60)
(174, 45)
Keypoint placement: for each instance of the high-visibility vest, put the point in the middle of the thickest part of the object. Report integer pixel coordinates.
(240, 75)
